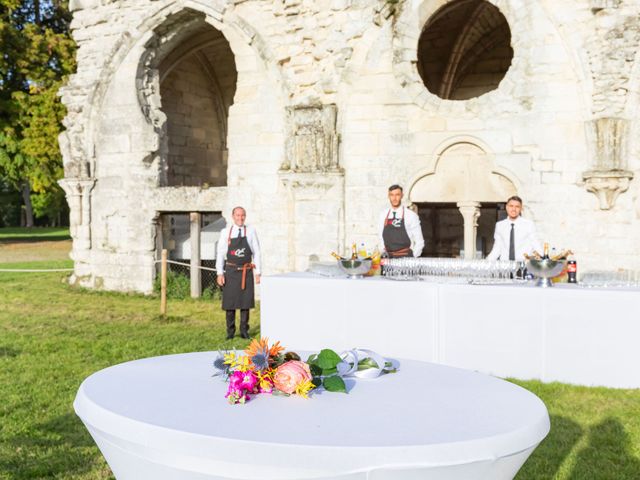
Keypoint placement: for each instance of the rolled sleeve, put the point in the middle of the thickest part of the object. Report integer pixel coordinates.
(254, 243)
(221, 251)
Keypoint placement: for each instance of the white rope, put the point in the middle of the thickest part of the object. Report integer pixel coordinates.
(187, 265)
(29, 270)
(18, 270)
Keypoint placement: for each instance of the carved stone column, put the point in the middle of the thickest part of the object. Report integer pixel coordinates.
(609, 177)
(78, 192)
(470, 211)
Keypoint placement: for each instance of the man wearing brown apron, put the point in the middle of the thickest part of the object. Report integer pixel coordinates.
(237, 259)
(400, 228)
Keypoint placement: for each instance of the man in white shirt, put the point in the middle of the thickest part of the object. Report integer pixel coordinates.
(514, 236)
(399, 228)
(237, 260)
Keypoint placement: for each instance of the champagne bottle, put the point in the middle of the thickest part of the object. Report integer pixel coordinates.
(354, 251)
(336, 256)
(562, 255)
(545, 251)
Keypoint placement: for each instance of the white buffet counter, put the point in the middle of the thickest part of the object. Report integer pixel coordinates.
(566, 333)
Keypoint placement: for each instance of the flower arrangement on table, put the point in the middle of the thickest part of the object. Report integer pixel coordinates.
(269, 369)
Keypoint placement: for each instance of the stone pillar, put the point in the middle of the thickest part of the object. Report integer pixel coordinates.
(314, 182)
(470, 211)
(315, 216)
(194, 237)
(78, 192)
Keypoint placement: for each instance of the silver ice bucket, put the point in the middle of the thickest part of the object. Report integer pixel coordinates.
(355, 268)
(545, 270)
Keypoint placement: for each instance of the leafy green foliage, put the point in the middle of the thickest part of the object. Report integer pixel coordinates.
(178, 285)
(38, 55)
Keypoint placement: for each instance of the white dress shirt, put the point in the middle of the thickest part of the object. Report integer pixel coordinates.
(411, 224)
(223, 246)
(525, 239)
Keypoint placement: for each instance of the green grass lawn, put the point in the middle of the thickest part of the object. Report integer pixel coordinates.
(52, 336)
(33, 234)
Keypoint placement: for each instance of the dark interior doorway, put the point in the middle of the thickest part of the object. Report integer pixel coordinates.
(443, 228)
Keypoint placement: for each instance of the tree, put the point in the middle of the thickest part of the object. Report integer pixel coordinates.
(37, 56)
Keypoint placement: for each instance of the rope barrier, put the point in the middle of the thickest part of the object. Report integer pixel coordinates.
(25, 270)
(187, 265)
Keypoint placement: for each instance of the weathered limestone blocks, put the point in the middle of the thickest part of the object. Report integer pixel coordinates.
(326, 111)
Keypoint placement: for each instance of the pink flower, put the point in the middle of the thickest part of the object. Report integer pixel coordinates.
(243, 380)
(290, 374)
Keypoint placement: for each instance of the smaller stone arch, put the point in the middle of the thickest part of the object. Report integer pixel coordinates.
(462, 173)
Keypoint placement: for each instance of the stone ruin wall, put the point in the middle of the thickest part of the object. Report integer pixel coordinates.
(329, 109)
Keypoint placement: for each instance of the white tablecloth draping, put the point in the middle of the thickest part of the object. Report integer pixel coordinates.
(565, 333)
(166, 418)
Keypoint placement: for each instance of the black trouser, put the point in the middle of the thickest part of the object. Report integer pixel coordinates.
(231, 323)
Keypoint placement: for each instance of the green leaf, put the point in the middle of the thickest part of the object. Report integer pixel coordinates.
(316, 371)
(317, 381)
(367, 363)
(328, 359)
(334, 384)
(312, 359)
(329, 371)
(279, 393)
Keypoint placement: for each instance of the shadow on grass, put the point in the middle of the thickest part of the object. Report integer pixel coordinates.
(546, 460)
(170, 319)
(22, 239)
(59, 448)
(10, 352)
(608, 454)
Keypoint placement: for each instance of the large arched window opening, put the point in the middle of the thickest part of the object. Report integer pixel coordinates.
(464, 50)
(197, 85)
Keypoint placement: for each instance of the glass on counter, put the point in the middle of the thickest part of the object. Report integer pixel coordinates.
(452, 270)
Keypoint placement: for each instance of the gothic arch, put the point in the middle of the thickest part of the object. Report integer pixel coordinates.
(80, 148)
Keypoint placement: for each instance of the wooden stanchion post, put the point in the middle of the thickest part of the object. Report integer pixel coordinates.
(163, 283)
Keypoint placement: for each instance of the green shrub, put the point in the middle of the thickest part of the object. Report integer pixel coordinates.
(178, 285)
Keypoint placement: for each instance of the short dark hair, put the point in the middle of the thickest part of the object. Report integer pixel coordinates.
(516, 198)
(395, 186)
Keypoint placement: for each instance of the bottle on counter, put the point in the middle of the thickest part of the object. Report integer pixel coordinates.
(545, 251)
(375, 262)
(572, 270)
(383, 261)
(362, 253)
(520, 271)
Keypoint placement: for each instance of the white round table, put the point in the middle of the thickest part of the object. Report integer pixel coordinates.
(166, 418)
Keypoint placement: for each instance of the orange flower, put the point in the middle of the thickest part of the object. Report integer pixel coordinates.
(262, 346)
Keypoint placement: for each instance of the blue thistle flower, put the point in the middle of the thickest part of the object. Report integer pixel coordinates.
(260, 360)
(221, 368)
